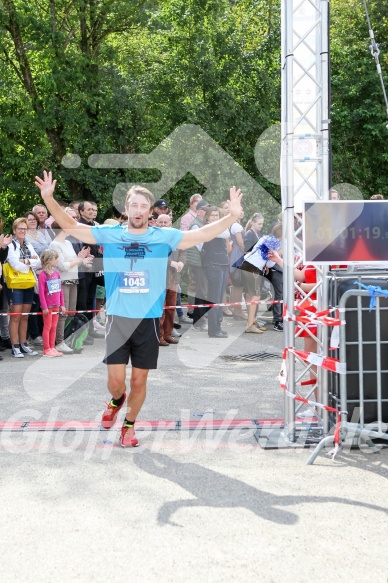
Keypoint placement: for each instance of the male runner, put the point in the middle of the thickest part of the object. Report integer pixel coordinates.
(135, 263)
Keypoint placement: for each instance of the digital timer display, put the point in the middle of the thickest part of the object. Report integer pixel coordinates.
(345, 232)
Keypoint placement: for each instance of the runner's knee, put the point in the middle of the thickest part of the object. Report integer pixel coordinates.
(138, 386)
(116, 385)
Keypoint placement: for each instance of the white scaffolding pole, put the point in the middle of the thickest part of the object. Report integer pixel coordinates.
(305, 159)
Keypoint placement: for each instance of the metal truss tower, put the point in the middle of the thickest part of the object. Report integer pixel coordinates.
(305, 163)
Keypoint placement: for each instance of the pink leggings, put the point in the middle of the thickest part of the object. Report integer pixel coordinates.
(50, 322)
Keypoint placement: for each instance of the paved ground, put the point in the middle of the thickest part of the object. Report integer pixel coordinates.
(196, 506)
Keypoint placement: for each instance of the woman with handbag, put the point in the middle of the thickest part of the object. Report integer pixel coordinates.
(22, 258)
(254, 269)
(4, 328)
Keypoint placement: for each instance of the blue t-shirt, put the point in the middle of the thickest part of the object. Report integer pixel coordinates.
(135, 269)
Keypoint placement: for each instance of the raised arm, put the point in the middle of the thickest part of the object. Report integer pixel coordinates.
(66, 222)
(208, 232)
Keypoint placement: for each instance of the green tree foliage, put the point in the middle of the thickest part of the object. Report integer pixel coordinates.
(359, 118)
(102, 76)
(214, 64)
(118, 76)
(61, 91)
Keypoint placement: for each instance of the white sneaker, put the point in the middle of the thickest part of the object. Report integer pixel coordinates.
(16, 352)
(63, 347)
(98, 326)
(38, 341)
(27, 350)
(199, 327)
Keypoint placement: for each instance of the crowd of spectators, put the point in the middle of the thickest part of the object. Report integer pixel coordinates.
(35, 236)
(217, 272)
(228, 269)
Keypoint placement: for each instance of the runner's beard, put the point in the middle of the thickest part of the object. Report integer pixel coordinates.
(137, 224)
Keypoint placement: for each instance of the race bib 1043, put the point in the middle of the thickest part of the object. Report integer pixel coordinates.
(134, 282)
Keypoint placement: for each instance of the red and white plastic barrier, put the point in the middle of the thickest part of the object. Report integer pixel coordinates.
(328, 363)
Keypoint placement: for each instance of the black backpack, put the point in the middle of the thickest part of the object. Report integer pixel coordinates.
(76, 331)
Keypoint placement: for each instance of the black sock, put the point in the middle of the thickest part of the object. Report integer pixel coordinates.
(118, 402)
(128, 423)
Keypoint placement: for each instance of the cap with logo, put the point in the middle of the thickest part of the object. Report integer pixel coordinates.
(203, 204)
(160, 203)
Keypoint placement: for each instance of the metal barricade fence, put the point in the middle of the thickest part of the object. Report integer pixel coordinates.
(361, 394)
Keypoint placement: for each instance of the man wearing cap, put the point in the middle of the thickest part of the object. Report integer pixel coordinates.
(191, 214)
(135, 265)
(194, 260)
(161, 207)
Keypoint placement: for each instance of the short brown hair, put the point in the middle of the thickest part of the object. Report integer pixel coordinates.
(377, 197)
(137, 189)
(28, 213)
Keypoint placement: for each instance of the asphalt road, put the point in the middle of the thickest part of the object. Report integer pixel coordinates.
(206, 505)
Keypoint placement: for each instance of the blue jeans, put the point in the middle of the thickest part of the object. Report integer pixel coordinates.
(217, 280)
(276, 278)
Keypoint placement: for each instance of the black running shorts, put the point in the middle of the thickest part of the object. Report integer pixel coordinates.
(132, 338)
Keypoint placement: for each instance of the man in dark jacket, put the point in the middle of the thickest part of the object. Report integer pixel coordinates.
(194, 260)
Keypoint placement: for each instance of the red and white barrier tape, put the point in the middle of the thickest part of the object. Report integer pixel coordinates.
(308, 319)
(318, 318)
(226, 305)
(41, 313)
(328, 363)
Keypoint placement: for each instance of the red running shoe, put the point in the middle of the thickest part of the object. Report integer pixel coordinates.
(110, 414)
(128, 437)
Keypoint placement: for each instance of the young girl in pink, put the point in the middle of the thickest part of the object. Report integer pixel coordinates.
(51, 300)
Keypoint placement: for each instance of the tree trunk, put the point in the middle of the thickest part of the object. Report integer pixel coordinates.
(13, 27)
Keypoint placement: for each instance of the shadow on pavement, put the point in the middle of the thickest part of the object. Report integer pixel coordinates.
(215, 490)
